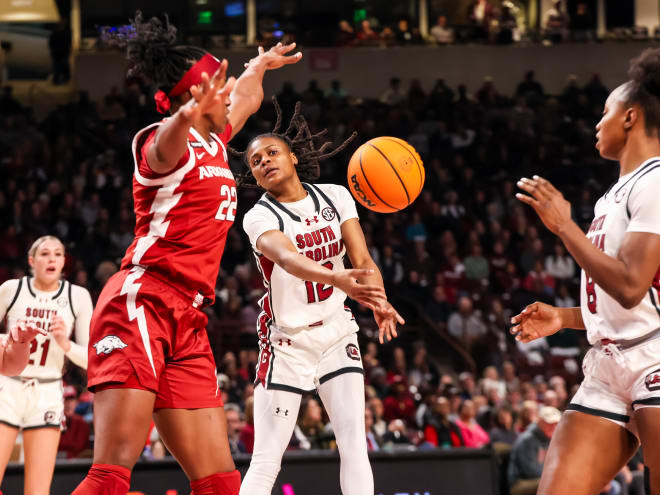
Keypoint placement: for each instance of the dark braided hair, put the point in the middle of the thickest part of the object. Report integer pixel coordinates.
(300, 141)
(644, 87)
(151, 51)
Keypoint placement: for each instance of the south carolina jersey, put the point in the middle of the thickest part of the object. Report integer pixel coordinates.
(632, 204)
(314, 226)
(20, 300)
(182, 217)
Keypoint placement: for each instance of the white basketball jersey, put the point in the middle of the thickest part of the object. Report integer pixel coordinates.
(314, 226)
(632, 204)
(20, 300)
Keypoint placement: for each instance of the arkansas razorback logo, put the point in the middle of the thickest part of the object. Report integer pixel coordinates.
(108, 344)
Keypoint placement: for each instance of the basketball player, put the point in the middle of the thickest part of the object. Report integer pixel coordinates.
(33, 401)
(150, 355)
(616, 406)
(300, 233)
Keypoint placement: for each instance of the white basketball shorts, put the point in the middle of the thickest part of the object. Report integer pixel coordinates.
(30, 404)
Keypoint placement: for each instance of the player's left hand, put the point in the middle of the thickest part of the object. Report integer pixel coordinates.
(60, 333)
(549, 204)
(24, 331)
(276, 57)
(386, 318)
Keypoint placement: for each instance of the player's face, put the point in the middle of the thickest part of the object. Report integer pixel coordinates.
(610, 131)
(271, 162)
(48, 261)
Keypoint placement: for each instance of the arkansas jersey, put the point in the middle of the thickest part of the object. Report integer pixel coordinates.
(632, 204)
(182, 217)
(314, 226)
(21, 300)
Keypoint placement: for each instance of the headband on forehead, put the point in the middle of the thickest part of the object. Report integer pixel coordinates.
(208, 63)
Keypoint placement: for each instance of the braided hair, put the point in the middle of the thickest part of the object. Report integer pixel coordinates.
(151, 51)
(644, 87)
(300, 142)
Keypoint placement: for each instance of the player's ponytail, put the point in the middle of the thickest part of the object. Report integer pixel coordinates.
(644, 87)
(152, 53)
(301, 142)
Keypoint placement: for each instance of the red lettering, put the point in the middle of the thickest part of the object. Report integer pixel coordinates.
(316, 235)
(28, 312)
(331, 233)
(300, 241)
(309, 254)
(309, 241)
(334, 249)
(317, 254)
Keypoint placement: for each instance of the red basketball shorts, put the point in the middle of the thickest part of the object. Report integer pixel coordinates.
(147, 335)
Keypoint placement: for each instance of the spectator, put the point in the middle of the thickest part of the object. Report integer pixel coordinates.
(473, 434)
(399, 404)
(466, 324)
(310, 427)
(502, 430)
(529, 451)
(75, 437)
(394, 94)
(378, 411)
(396, 435)
(528, 414)
(476, 266)
(530, 87)
(439, 430)
(346, 35)
(539, 281)
(560, 265)
(582, 23)
(366, 35)
(235, 424)
(481, 14)
(373, 441)
(246, 438)
(508, 26)
(555, 22)
(438, 309)
(60, 50)
(441, 33)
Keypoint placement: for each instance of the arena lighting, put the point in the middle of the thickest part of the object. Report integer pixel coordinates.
(29, 11)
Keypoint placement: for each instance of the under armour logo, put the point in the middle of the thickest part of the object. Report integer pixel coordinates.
(310, 220)
(278, 410)
(281, 341)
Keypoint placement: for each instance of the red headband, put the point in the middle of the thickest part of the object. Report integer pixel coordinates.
(208, 63)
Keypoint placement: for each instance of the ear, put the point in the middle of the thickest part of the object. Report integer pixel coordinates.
(31, 261)
(294, 158)
(630, 118)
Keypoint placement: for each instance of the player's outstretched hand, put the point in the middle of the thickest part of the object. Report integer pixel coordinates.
(23, 331)
(549, 204)
(276, 57)
(60, 332)
(367, 295)
(213, 90)
(535, 321)
(386, 318)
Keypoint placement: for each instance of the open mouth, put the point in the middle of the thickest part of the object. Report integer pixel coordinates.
(51, 269)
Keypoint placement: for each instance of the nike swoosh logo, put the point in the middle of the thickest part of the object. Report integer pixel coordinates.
(200, 155)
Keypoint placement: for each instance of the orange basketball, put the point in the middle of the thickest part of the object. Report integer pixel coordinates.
(385, 174)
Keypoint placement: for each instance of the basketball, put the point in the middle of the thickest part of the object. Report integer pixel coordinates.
(385, 174)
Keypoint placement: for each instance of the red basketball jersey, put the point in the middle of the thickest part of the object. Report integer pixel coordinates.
(182, 217)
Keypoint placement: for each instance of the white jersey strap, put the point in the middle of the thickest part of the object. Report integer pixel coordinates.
(311, 188)
(15, 298)
(649, 168)
(279, 217)
(71, 303)
(279, 205)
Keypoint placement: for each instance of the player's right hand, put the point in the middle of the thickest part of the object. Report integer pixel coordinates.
(24, 331)
(367, 295)
(535, 321)
(213, 90)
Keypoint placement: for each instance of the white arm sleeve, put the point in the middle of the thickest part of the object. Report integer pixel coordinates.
(7, 293)
(342, 199)
(258, 221)
(83, 307)
(644, 204)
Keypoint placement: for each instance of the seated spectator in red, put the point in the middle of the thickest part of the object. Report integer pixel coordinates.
(399, 405)
(366, 35)
(346, 34)
(473, 434)
(75, 437)
(539, 281)
(439, 430)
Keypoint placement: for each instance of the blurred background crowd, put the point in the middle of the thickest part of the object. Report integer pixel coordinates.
(458, 263)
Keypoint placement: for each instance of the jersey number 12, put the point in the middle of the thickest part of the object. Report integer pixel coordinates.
(317, 292)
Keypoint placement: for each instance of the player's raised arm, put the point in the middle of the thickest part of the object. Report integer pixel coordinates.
(15, 347)
(280, 250)
(356, 247)
(248, 93)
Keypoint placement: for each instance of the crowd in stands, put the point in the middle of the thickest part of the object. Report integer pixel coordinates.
(466, 255)
(485, 23)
